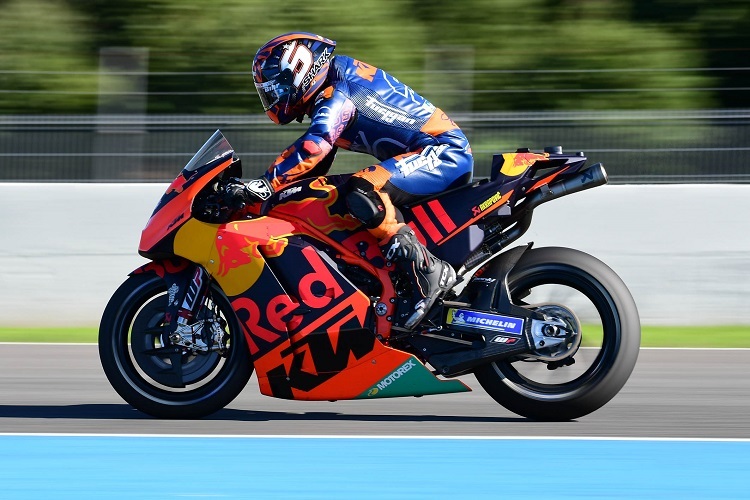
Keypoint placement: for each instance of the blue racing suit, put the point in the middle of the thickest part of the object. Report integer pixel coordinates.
(364, 109)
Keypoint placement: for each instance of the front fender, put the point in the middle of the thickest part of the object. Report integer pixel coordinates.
(186, 282)
(164, 267)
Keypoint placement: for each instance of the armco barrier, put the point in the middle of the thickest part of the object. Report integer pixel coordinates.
(684, 250)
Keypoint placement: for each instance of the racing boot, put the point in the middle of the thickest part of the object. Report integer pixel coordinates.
(430, 276)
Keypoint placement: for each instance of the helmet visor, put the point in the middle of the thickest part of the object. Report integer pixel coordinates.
(275, 89)
(270, 94)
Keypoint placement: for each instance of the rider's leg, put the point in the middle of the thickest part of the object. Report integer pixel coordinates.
(400, 180)
(430, 276)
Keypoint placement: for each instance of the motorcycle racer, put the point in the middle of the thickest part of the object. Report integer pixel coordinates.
(361, 108)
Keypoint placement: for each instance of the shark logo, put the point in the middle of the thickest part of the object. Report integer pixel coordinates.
(260, 188)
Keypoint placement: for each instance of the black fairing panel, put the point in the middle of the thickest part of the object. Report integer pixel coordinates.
(457, 249)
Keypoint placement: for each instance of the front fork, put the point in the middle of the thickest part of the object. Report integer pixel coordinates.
(187, 322)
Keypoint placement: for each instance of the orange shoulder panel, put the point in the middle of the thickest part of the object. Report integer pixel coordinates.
(438, 123)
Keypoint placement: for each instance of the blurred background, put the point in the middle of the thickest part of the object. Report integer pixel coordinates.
(128, 90)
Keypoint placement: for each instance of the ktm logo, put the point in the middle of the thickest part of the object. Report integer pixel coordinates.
(315, 290)
(301, 339)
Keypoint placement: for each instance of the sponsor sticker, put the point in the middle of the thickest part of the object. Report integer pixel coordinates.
(289, 192)
(395, 375)
(486, 203)
(310, 76)
(485, 321)
(428, 158)
(387, 113)
(260, 188)
(484, 280)
(499, 339)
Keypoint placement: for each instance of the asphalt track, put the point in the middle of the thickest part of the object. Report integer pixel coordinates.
(678, 430)
(673, 393)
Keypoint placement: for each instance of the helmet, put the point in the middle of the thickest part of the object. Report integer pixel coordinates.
(289, 71)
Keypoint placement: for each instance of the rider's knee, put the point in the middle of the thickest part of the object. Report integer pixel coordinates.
(367, 207)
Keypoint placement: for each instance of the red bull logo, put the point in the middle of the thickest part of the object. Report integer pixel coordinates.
(233, 256)
(271, 321)
(240, 253)
(315, 210)
(515, 164)
(275, 247)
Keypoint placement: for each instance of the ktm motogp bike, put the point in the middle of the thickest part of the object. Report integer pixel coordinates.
(299, 291)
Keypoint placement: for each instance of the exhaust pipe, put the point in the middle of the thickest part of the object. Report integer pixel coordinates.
(591, 177)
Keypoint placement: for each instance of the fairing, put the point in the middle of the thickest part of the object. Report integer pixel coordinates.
(309, 284)
(453, 224)
(310, 331)
(215, 157)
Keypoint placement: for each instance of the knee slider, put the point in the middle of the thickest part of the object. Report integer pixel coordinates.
(367, 207)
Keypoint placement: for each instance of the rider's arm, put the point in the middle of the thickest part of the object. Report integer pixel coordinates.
(331, 114)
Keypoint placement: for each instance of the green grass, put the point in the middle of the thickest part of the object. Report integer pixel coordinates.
(695, 336)
(652, 336)
(681, 336)
(71, 334)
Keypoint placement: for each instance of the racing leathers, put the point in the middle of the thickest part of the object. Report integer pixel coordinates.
(420, 150)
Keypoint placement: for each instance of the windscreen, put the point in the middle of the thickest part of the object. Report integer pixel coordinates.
(215, 147)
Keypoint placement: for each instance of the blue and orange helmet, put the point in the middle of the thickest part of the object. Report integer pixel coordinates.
(289, 71)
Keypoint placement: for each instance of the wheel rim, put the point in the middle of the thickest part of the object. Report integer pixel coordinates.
(143, 359)
(147, 340)
(594, 359)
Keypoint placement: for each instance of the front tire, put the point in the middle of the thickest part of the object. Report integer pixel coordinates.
(160, 379)
(569, 392)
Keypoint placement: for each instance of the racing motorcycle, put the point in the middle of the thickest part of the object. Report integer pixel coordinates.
(299, 291)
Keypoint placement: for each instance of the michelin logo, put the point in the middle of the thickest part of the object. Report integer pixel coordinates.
(485, 321)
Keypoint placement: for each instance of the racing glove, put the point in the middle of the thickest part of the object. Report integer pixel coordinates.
(238, 194)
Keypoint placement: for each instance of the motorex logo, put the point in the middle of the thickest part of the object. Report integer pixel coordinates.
(397, 374)
(485, 321)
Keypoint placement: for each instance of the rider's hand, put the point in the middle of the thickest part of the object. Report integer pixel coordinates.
(234, 194)
(259, 189)
(237, 195)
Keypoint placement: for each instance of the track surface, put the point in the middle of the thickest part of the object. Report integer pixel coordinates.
(672, 394)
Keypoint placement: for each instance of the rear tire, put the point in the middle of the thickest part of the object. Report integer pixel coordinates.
(129, 335)
(544, 398)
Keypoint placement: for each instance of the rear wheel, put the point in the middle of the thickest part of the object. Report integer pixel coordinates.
(158, 377)
(583, 294)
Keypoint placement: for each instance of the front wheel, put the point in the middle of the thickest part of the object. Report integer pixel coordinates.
(158, 377)
(596, 302)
